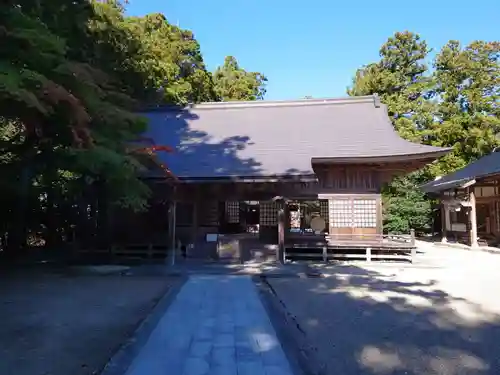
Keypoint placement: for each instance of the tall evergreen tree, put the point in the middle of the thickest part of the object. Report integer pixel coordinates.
(234, 83)
(402, 80)
(467, 86)
(455, 106)
(172, 60)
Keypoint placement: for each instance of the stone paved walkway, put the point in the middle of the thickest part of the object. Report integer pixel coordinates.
(217, 325)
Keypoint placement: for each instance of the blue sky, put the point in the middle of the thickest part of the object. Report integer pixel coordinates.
(314, 47)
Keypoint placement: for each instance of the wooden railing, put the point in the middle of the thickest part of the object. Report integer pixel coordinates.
(353, 246)
(378, 239)
(131, 251)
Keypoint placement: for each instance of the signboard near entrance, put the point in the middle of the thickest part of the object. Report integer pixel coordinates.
(211, 237)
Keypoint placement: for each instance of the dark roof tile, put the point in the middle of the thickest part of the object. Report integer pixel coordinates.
(483, 167)
(276, 138)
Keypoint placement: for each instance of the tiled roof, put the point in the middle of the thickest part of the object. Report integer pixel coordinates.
(486, 166)
(281, 138)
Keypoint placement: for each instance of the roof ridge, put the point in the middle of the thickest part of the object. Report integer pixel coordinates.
(271, 103)
(287, 103)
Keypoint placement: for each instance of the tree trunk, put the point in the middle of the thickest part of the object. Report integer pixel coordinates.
(16, 237)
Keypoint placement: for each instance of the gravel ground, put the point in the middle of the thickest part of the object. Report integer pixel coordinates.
(63, 324)
(362, 320)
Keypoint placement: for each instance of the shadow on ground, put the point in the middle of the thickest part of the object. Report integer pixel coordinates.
(361, 322)
(63, 321)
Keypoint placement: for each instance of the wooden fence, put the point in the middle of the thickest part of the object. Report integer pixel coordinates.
(129, 252)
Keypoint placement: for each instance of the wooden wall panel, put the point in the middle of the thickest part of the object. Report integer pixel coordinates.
(359, 232)
(348, 178)
(209, 213)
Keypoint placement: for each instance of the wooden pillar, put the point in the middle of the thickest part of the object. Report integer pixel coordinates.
(170, 223)
(281, 232)
(380, 216)
(173, 244)
(444, 223)
(496, 224)
(287, 221)
(413, 242)
(194, 224)
(473, 219)
(330, 216)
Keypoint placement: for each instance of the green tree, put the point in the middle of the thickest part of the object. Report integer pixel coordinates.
(65, 115)
(405, 206)
(467, 85)
(72, 76)
(402, 80)
(455, 106)
(234, 83)
(171, 59)
(41, 117)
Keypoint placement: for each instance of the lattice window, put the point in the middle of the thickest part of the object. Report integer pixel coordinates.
(357, 213)
(268, 214)
(324, 211)
(340, 213)
(233, 212)
(365, 213)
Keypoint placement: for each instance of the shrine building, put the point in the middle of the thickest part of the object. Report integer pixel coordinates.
(279, 171)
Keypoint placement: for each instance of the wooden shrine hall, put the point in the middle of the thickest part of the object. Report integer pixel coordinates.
(282, 172)
(470, 202)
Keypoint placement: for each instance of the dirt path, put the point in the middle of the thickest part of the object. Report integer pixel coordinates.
(361, 320)
(57, 324)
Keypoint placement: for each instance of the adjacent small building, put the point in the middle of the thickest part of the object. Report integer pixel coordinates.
(275, 167)
(470, 202)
